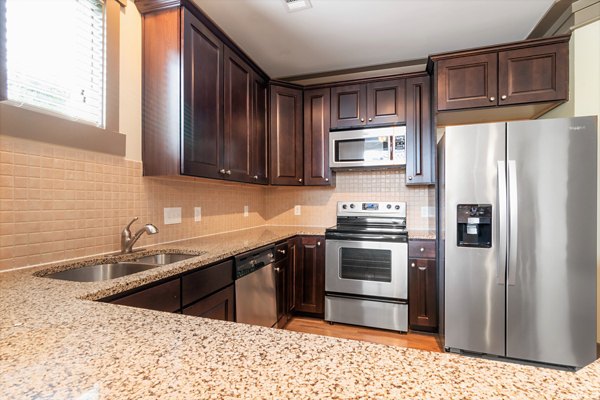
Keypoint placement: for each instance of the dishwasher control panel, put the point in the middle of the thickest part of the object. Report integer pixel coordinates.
(249, 262)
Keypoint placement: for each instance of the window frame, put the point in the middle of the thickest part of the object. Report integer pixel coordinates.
(34, 124)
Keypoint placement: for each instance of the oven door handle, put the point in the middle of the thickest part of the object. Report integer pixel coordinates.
(366, 237)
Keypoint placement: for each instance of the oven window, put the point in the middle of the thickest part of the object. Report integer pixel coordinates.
(366, 264)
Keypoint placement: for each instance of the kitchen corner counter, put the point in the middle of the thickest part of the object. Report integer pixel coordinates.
(424, 234)
(55, 345)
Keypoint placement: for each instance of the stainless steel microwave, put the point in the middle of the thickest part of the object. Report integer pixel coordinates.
(374, 147)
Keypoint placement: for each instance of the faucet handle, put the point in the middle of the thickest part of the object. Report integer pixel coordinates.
(131, 222)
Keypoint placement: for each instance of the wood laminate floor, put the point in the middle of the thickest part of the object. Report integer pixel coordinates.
(421, 341)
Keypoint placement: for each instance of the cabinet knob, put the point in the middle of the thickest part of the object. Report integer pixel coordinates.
(503, 97)
(370, 119)
(318, 243)
(277, 269)
(221, 171)
(412, 265)
(422, 249)
(492, 98)
(326, 179)
(255, 177)
(362, 120)
(282, 251)
(228, 172)
(300, 180)
(410, 178)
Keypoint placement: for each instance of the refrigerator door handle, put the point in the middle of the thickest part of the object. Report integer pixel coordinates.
(502, 218)
(513, 210)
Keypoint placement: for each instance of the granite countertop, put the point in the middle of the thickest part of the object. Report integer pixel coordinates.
(421, 234)
(55, 344)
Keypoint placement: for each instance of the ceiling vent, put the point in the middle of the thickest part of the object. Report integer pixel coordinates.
(297, 5)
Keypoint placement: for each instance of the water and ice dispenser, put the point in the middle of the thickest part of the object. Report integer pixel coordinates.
(474, 225)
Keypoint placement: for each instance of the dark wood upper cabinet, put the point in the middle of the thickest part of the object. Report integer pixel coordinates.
(310, 275)
(420, 135)
(533, 74)
(259, 161)
(385, 102)
(520, 80)
(286, 136)
(316, 137)
(467, 82)
(348, 106)
(204, 101)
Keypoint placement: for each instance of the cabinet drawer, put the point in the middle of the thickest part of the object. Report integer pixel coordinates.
(421, 248)
(208, 280)
(163, 297)
(217, 306)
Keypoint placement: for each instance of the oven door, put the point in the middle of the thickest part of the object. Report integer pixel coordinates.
(366, 268)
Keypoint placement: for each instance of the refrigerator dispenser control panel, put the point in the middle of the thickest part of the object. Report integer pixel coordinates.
(474, 225)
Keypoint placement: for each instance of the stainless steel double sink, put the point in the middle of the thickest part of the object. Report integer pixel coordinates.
(103, 272)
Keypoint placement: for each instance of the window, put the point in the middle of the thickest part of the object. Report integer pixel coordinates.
(59, 65)
(59, 72)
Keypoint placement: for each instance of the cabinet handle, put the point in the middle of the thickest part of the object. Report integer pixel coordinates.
(410, 178)
(362, 120)
(277, 269)
(255, 177)
(422, 268)
(370, 119)
(492, 98)
(412, 265)
(228, 172)
(221, 171)
(318, 243)
(300, 180)
(503, 97)
(282, 251)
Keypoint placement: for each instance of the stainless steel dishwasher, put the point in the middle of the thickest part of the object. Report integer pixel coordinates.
(255, 288)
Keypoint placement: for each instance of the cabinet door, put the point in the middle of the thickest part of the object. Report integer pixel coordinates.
(237, 110)
(202, 130)
(348, 106)
(293, 258)
(467, 82)
(316, 137)
(420, 137)
(534, 74)
(286, 136)
(163, 297)
(422, 311)
(385, 102)
(281, 271)
(258, 151)
(216, 306)
(310, 275)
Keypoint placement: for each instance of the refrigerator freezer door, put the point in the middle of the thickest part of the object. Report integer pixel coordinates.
(551, 291)
(474, 289)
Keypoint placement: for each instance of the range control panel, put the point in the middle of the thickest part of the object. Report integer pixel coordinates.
(370, 208)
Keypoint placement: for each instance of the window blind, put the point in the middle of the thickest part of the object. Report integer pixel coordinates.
(55, 56)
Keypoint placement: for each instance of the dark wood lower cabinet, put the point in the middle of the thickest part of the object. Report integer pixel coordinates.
(163, 297)
(422, 286)
(310, 275)
(219, 305)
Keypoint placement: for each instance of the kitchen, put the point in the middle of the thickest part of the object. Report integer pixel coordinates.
(63, 203)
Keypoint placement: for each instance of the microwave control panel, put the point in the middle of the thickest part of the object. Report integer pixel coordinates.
(400, 149)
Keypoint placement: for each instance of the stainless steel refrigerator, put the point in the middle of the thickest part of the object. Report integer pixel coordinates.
(518, 239)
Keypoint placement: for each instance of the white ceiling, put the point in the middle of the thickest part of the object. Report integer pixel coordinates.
(342, 34)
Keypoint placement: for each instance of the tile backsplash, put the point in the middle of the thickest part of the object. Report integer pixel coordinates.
(58, 203)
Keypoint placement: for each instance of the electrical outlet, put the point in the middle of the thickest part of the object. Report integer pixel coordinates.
(245, 211)
(172, 215)
(297, 210)
(197, 214)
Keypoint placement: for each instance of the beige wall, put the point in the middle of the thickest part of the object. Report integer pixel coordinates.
(585, 98)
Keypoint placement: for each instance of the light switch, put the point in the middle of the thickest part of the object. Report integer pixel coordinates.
(197, 214)
(172, 215)
(297, 210)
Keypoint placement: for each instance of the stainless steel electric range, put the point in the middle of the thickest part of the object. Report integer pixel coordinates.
(366, 266)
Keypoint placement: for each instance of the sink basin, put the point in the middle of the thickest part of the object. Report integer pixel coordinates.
(165, 258)
(101, 272)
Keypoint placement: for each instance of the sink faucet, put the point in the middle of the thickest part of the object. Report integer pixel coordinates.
(127, 241)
